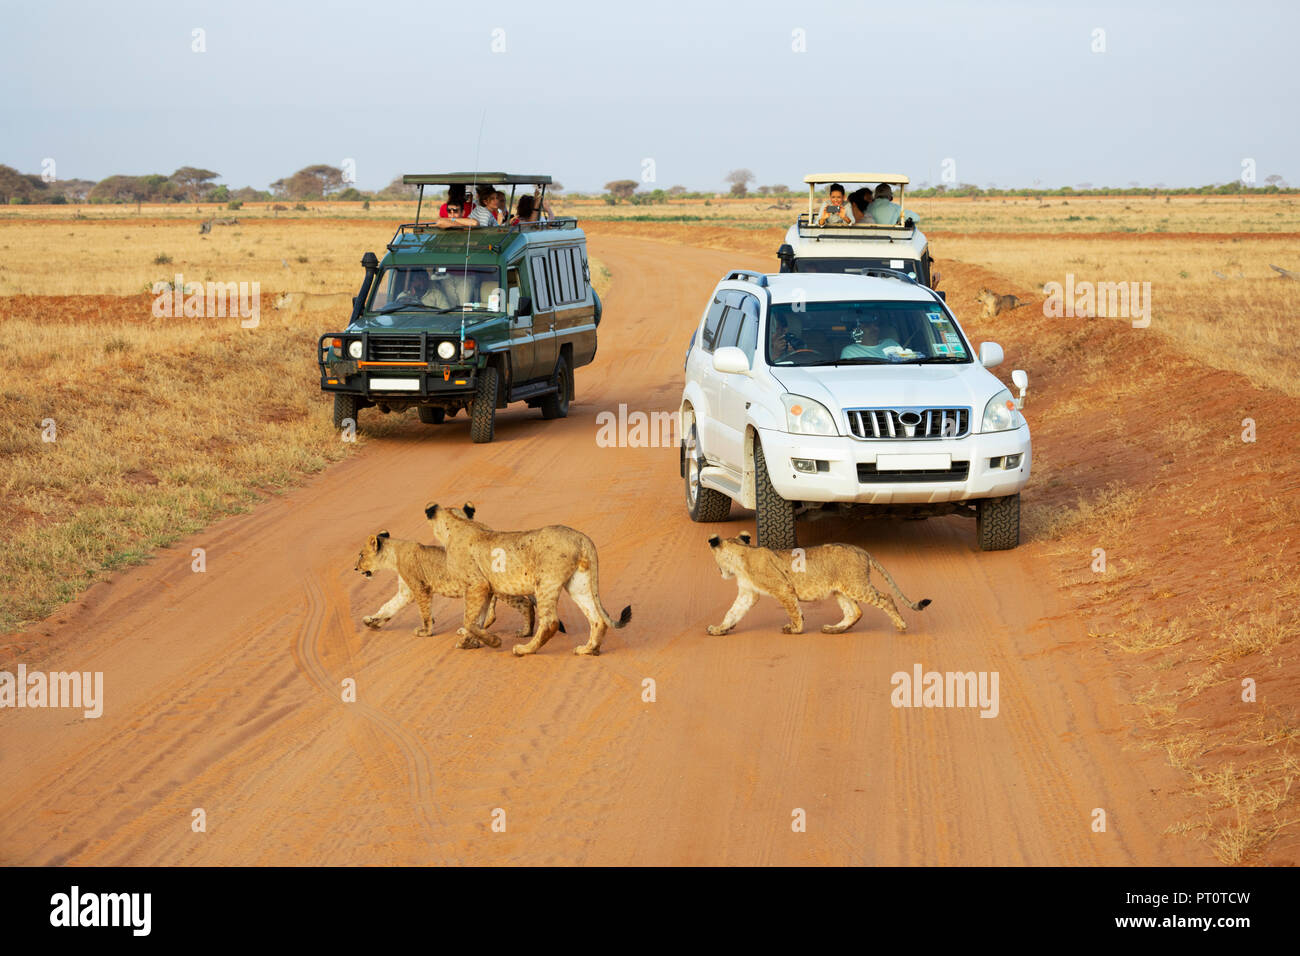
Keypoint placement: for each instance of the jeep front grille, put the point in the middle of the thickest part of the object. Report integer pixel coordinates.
(908, 424)
(868, 474)
(394, 348)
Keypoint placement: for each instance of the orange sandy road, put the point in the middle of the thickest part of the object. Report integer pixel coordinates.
(223, 688)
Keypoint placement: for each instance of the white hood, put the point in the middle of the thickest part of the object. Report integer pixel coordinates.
(892, 386)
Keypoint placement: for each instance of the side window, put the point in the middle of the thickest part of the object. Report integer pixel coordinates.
(512, 290)
(749, 305)
(579, 271)
(541, 297)
(711, 321)
(729, 334)
(748, 341)
(562, 276)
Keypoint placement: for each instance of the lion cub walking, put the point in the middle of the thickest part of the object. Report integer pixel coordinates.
(994, 303)
(421, 573)
(804, 574)
(540, 563)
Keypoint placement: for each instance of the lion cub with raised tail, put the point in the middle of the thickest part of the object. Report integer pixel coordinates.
(804, 574)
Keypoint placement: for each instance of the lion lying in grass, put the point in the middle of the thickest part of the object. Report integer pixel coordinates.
(804, 574)
(539, 563)
(421, 573)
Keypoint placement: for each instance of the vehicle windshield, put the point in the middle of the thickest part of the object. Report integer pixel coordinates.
(437, 288)
(862, 333)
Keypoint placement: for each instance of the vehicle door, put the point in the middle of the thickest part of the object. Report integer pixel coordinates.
(522, 349)
(738, 392)
(543, 288)
(699, 367)
(575, 308)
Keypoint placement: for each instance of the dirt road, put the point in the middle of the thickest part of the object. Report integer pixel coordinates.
(223, 688)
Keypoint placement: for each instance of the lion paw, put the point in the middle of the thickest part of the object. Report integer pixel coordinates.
(520, 650)
(373, 621)
(492, 641)
(422, 631)
(468, 641)
(791, 629)
(716, 629)
(587, 649)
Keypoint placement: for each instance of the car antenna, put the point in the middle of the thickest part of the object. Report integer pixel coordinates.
(464, 275)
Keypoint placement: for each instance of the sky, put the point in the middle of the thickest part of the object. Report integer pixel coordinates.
(665, 93)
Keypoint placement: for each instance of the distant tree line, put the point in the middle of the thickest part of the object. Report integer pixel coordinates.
(192, 184)
(324, 182)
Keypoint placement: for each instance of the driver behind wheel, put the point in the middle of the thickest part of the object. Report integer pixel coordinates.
(784, 342)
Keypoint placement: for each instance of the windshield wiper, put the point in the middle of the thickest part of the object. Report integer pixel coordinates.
(398, 306)
(933, 359)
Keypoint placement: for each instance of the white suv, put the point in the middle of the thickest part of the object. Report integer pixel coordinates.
(821, 394)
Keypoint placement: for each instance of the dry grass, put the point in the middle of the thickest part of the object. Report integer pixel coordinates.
(1244, 323)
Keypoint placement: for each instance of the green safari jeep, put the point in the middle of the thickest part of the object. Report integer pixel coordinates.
(472, 317)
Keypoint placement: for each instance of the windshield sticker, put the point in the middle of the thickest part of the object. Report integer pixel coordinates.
(951, 338)
(937, 318)
(941, 349)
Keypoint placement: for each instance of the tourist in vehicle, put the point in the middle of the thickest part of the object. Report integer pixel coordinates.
(457, 205)
(883, 210)
(859, 200)
(783, 342)
(835, 211)
(485, 213)
(527, 210)
(869, 341)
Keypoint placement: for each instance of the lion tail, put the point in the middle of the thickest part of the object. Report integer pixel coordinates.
(920, 605)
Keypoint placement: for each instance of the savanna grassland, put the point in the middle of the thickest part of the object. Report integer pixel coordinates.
(1166, 489)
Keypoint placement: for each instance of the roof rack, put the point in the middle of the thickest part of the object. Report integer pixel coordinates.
(469, 179)
(747, 275)
(880, 272)
(412, 230)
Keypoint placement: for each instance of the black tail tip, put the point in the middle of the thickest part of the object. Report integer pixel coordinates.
(923, 604)
(714, 541)
(562, 628)
(469, 511)
(624, 617)
(430, 511)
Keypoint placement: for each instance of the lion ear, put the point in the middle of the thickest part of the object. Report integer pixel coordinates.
(430, 511)
(744, 536)
(383, 534)
(469, 511)
(374, 542)
(714, 541)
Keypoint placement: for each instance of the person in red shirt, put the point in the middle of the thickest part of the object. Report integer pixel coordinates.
(457, 205)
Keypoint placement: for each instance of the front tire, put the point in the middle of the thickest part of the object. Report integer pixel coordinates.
(997, 523)
(556, 405)
(430, 415)
(345, 408)
(702, 504)
(483, 410)
(774, 516)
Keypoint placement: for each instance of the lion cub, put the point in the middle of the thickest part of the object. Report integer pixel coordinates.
(994, 303)
(421, 573)
(804, 574)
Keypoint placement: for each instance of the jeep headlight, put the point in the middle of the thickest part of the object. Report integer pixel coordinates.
(354, 348)
(1000, 414)
(446, 350)
(803, 416)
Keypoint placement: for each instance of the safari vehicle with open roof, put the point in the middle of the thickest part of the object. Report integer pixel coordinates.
(467, 317)
(899, 245)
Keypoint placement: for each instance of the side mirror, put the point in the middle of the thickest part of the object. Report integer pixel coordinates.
(525, 306)
(730, 360)
(1021, 381)
(990, 354)
(941, 295)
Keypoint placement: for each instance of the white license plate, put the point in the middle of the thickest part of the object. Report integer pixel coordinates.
(395, 384)
(934, 462)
